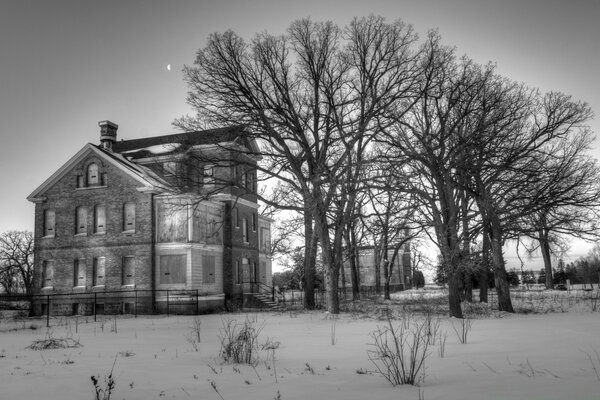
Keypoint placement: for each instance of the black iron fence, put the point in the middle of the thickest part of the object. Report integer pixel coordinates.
(133, 302)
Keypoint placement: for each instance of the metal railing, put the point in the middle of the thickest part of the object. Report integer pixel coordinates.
(112, 302)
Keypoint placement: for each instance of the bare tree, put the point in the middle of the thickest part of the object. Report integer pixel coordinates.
(16, 261)
(574, 206)
(312, 98)
(424, 145)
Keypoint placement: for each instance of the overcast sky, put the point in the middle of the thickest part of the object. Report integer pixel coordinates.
(65, 65)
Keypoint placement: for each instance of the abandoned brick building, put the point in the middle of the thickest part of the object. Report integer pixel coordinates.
(176, 212)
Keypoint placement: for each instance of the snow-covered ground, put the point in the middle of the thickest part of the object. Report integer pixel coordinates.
(540, 356)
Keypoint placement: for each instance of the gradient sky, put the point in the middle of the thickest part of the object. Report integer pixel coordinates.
(65, 65)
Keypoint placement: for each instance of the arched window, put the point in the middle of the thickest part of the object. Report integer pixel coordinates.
(93, 177)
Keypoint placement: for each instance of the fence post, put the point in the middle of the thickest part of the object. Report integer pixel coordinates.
(95, 305)
(47, 311)
(167, 302)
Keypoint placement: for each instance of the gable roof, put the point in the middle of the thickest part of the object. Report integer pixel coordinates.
(147, 179)
(169, 144)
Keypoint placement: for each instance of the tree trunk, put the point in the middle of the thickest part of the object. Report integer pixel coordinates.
(454, 294)
(485, 269)
(545, 250)
(354, 275)
(466, 251)
(502, 288)
(386, 277)
(377, 270)
(310, 260)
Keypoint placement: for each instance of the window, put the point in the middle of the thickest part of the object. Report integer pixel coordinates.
(104, 179)
(93, 176)
(49, 222)
(209, 174)
(47, 273)
(208, 269)
(98, 273)
(237, 272)
(245, 275)
(263, 272)
(243, 178)
(265, 240)
(128, 272)
(253, 222)
(81, 222)
(245, 230)
(248, 183)
(129, 217)
(173, 269)
(170, 168)
(80, 181)
(99, 219)
(236, 217)
(79, 272)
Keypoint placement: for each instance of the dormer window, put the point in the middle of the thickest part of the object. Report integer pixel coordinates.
(93, 176)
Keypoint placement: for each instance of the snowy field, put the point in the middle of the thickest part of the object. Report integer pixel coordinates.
(535, 356)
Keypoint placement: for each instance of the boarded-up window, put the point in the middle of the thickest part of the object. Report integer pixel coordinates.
(98, 273)
(172, 223)
(209, 176)
(263, 272)
(47, 273)
(81, 227)
(93, 177)
(128, 270)
(245, 270)
(208, 269)
(79, 272)
(265, 240)
(49, 222)
(100, 219)
(245, 230)
(129, 217)
(173, 269)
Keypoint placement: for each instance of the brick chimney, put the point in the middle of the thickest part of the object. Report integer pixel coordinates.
(108, 134)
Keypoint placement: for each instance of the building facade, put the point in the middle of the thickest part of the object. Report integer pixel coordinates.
(175, 212)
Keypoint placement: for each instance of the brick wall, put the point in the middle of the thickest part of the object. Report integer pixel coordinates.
(64, 197)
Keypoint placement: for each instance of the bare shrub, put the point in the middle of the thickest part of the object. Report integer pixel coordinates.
(193, 337)
(104, 390)
(239, 341)
(463, 329)
(399, 352)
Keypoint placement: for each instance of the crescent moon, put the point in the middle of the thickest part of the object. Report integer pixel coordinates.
(168, 67)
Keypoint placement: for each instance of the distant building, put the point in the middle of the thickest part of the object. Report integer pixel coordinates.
(401, 273)
(175, 212)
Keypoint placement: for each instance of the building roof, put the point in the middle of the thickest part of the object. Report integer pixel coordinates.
(147, 179)
(168, 144)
